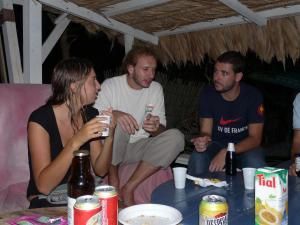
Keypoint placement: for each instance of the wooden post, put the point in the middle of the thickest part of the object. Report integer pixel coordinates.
(11, 44)
(32, 41)
(3, 74)
(61, 24)
(128, 42)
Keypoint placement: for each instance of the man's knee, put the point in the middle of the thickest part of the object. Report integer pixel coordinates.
(165, 147)
(120, 134)
(121, 140)
(176, 137)
(253, 158)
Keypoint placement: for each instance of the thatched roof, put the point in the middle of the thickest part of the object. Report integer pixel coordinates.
(189, 29)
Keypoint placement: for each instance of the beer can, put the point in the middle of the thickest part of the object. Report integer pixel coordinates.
(148, 109)
(105, 119)
(213, 209)
(87, 210)
(108, 198)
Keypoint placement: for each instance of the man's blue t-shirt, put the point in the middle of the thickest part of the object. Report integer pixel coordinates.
(231, 118)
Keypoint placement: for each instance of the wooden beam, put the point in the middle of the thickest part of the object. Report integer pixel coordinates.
(3, 74)
(128, 42)
(245, 11)
(18, 2)
(32, 41)
(62, 23)
(96, 18)
(281, 12)
(12, 51)
(129, 6)
(60, 18)
(229, 21)
(234, 20)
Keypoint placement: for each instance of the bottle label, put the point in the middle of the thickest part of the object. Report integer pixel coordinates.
(71, 203)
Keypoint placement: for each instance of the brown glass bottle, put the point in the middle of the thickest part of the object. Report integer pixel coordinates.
(81, 181)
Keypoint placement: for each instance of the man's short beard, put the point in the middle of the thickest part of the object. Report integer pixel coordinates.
(225, 89)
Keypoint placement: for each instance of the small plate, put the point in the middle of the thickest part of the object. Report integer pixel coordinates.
(150, 214)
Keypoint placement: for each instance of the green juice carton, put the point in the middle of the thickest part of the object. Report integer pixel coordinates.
(271, 196)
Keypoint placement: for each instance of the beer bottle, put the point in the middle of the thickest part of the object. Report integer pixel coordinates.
(230, 164)
(81, 181)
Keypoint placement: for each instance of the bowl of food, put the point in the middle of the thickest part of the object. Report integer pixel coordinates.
(150, 214)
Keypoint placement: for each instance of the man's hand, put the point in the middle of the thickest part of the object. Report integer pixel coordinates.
(292, 170)
(201, 143)
(151, 123)
(127, 122)
(218, 162)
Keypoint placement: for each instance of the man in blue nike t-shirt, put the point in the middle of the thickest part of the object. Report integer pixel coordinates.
(229, 111)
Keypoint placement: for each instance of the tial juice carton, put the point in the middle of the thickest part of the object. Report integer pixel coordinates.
(271, 196)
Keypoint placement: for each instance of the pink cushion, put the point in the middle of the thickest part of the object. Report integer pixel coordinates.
(17, 102)
(13, 197)
(143, 192)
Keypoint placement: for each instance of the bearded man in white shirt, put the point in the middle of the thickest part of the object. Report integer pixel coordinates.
(139, 137)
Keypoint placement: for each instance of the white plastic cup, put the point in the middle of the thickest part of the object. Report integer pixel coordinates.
(249, 178)
(179, 177)
(105, 119)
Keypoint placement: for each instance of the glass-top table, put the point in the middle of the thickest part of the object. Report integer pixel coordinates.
(240, 201)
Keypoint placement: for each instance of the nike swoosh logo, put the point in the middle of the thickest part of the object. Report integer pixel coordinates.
(224, 122)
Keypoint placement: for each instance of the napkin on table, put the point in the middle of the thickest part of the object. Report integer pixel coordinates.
(204, 182)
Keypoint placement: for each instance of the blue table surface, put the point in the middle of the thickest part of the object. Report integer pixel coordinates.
(240, 201)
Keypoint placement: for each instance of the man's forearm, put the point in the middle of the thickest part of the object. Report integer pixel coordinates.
(247, 144)
(117, 113)
(295, 149)
(296, 143)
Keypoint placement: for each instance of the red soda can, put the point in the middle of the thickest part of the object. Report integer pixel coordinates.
(87, 210)
(108, 198)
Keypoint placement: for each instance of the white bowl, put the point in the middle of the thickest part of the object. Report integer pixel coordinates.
(150, 214)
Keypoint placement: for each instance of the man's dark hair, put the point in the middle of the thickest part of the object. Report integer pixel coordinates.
(234, 58)
(133, 55)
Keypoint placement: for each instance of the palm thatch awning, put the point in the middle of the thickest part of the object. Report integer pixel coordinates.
(279, 38)
(186, 30)
(189, 29)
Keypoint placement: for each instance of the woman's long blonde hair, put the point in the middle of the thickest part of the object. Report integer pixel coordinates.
(65, 73)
